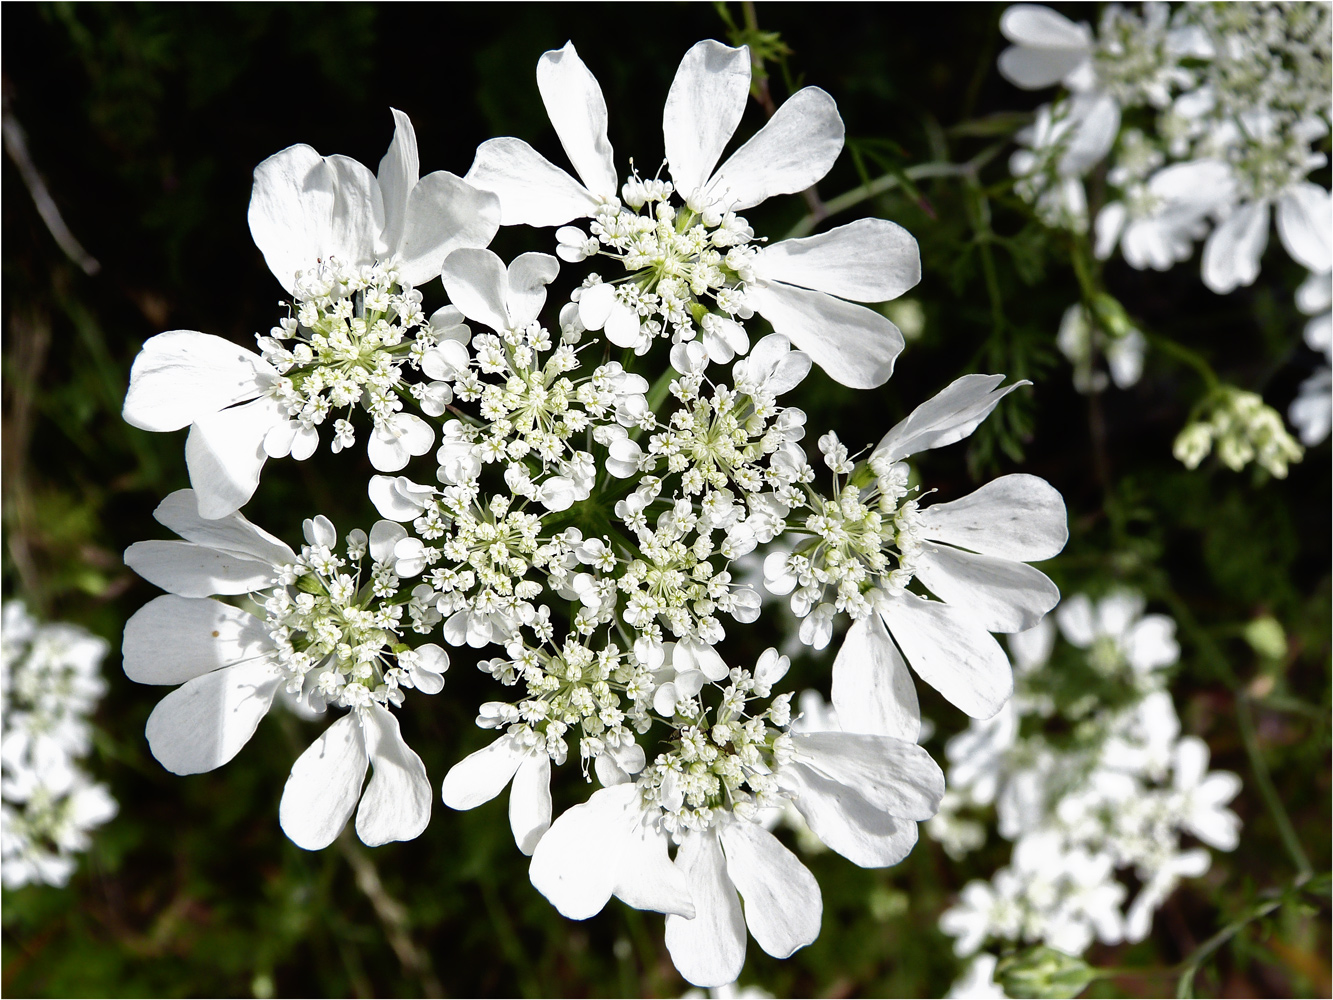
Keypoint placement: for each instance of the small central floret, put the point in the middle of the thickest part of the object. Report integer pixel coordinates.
(687, 269)
(724, 766)
(341, 632)
(346, 343)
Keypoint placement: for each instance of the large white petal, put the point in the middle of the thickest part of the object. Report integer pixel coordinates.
(872, 689)
(1151, 643)
(846, 822)
(225, 454)
(1033, 69)
(794, 149)
(646, 879)
(397, 175)
(960, 660)
(478, 285)
(533, 191)
(324, 786)
(950, 415)
(396, 805)
(181, 375)
(783, 906)
(855, 345)
(171, 640)
(530, 801)
(896, 777)
(205, 722)
(482, 775)
(1097, 123)
(869, 260)
(703, 108)
(445, 213)
(1231, 255)
(197, 570)
(577, 109)
(576, 862)
(708, 950)
(1000, 595)
(528, 275)
(179, 511)
(305, 207)
(1305, 225)
(1038, 26)
(1014, 517)
(1077, 621)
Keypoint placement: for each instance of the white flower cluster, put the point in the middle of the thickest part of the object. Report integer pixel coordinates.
(1089, 777)
(50, 683)
(1207, 115)
(1207, 119)
(584, 518)
(1244, 429)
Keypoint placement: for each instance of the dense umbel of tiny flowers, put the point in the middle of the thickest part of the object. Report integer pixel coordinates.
(50, 683)
(1087, 774)
(581, 521)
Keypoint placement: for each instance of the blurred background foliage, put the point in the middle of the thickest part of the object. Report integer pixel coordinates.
(145, 121)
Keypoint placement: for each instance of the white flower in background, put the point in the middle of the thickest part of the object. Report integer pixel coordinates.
(1115, 631)
(1304, 225)
(1237, 96)
(1068, 138)
(1111, 788)
(328, 635)
(50, 682)
(1158, 221)
(978, 983)
(1048, 49)
(1082, 340)
(862, 549)
(731, 991)
(693, 273)
(1311, 412)
(349, 246)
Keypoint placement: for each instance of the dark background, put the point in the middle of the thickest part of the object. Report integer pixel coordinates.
(146, 122)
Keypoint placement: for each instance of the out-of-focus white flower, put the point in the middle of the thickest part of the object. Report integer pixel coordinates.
(1081, 341)
(1239, 98)
(978, 982)
(1115, 630)
(1048, 49)
(1311, 412)
(50, 682)
(1089, 799)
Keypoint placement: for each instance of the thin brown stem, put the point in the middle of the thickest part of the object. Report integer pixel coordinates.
(16, 145)
(392, 915)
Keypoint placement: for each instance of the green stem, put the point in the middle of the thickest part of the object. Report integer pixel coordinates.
(1268, 790)
(1191, 965)
(1188, 356)
(1204, 643)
